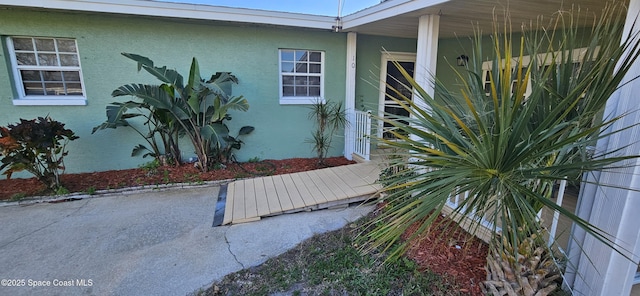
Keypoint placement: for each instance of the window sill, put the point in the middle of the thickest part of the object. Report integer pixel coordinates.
(77, 101)
(301, 100)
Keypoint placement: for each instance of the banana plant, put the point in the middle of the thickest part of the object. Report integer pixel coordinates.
(197, 109)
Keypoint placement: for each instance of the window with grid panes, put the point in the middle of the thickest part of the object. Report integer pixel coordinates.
(46, 71)
(301, 76)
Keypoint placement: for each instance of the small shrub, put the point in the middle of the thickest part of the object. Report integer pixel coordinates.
(37, 146)
(91, 190)
(62, 191)
(254, 159)
(150, 167)
(18, 196)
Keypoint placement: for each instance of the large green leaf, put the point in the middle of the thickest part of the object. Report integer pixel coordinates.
(245, 130)
(215, 132)
(156, 96)
(219, 83)
(193, 88)
(163, 74)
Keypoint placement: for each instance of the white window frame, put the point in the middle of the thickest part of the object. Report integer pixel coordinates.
(578, 56)
(44, 100)
(300, 100)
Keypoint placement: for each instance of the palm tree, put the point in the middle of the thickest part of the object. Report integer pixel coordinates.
(505, 140)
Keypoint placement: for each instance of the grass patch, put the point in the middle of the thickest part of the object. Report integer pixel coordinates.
(91, 190)
(331, 264)
(18, 196)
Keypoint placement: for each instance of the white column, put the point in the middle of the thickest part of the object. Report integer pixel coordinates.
(427, 51)
(350, 95)
(601, 270)
(426, 56)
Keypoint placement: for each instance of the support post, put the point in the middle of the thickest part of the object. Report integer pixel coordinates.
(350, 96)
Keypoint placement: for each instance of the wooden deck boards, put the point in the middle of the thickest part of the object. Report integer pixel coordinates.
(250, 199)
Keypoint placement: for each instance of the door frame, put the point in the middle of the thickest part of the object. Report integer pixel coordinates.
(387, 56)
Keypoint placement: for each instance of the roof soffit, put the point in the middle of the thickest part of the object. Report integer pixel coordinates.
(182, 11)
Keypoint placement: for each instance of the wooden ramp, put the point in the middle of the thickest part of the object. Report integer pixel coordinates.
(250, 199)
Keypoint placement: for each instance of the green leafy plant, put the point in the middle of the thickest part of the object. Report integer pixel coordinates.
(150, 167)
(37, 146)
(157, 124)
(91, 190)
(505, 149)
(62, 191)
(18, 196)
(329, 117)
(197, 109)
(165, 177)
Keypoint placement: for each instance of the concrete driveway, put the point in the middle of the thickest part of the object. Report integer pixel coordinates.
(150, 243)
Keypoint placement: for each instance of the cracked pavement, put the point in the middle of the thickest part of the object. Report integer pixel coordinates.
(150, 243)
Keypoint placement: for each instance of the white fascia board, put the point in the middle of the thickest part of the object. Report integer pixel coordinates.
(386, 10)
(182, 10)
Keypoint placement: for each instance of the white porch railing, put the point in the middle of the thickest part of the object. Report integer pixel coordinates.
(456, 200)
(363, 134)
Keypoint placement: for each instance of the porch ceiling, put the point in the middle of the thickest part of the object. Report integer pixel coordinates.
(457, 17)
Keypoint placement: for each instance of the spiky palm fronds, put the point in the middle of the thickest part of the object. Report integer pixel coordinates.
(506, 149)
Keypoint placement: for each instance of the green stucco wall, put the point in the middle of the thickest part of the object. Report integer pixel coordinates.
(250, 53)
(368, 57)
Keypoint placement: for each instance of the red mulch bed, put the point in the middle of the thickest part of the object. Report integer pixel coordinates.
(436, 250)
(185, 173)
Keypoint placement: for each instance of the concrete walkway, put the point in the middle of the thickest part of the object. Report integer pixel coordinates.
(153, 243)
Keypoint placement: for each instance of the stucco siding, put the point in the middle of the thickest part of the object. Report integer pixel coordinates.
(249, 52)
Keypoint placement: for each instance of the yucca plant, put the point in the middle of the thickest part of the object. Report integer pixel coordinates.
(329, 118)
(506, 147)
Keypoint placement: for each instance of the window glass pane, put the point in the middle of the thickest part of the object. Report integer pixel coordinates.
(71, 76)
(301, 62)
(47, 59)
(314, 91)
(287, 91)
(286, 55)
(69, 60)
(32, 55)
(287, 80)
(287, 67)
(45, 44)
(301, 55)
(74, 89)
(33, 88)
(22, 44)
(66, 45)
(26, 59)
(315, 68)
(301, 80)
(301, 91)
(315, 56)
(301, 68)
(55, 89)
(52, 75)
(30, 75)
